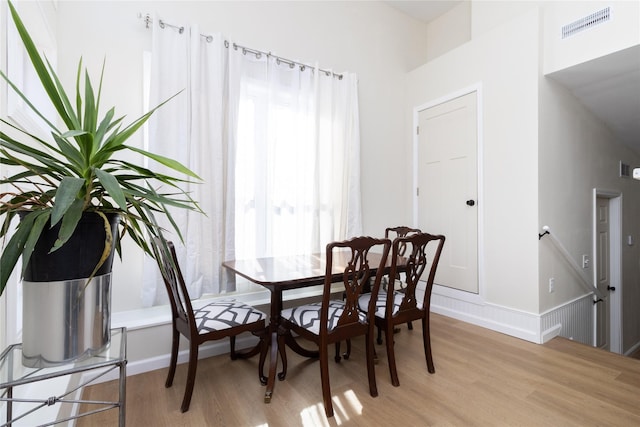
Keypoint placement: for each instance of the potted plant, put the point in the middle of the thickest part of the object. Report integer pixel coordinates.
(76, 200)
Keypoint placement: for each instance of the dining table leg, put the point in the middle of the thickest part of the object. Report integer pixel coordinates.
(274, 321)
(275, 350)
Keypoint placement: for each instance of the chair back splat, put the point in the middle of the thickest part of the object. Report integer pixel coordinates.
(205, 321)
(327, 322)
(400, 231)
(400, 304)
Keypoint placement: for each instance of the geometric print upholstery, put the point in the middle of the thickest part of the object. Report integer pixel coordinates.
(308, 315)
(225, 314)
(381, 303)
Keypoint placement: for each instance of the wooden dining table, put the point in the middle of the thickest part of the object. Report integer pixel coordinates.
(282, 273)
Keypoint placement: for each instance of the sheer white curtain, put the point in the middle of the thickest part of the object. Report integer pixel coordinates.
(277, 146)
(190, 128)
(298, 166)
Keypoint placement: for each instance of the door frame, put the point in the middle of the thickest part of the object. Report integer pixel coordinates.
(615, 266)
(477, 88)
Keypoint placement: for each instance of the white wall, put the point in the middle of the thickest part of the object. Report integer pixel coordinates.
(620, 32)
(368, 38)
(449, 31)
(505, 62)
(577, 154)
(488, 14)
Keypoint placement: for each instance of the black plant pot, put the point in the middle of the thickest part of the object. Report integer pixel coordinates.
(65, 316)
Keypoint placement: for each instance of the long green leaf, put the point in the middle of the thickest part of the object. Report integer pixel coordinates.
(15, 246)
(120, 137)
(70, 118)
(34, 235)
(28, 102)
(108, 244)
(39, 66)
(171, 163)
(112, 187)
(67, 193)
(70, 151)
(90, 108)
(102, 130)
(30, 135)
(69, 223)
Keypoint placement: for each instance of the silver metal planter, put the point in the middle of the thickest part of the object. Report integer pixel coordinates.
(64, 318)
(63, 321)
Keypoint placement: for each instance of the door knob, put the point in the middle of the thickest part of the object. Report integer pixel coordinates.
(611, 288)
(471, 202)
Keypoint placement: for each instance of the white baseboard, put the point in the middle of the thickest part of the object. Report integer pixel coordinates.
(214, 348)
(573, 320)
(512, 322)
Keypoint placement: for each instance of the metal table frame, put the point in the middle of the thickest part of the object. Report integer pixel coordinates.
(14, 374)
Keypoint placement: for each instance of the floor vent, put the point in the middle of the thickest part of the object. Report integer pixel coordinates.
(625, 170)
(587, 22)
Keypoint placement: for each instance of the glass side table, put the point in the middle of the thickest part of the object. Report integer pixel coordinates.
(13, 374)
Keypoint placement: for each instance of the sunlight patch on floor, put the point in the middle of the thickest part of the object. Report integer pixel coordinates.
(343, 410)
(313, 416)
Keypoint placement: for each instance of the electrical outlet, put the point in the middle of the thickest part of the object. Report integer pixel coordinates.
(585, 261)
(552, 285)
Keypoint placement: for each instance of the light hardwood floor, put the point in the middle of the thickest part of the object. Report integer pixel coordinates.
(483, 378)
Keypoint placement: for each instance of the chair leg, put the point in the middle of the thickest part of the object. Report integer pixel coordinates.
(249, 352)
(371, 372)
(191, 375)
(426, 338)
(175, 342)
(391, 354)
(232, 347)
(346, 354)
(324, 377)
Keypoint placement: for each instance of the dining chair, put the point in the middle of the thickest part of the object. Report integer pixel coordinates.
(331, 320)
(397, 306)
(393, 233)
(389, 233)
(200, 323)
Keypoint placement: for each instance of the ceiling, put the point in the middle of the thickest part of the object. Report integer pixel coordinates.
(424, 10)
(608, 86)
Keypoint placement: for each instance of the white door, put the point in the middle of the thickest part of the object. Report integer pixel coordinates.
(448, 187)
(602, 273)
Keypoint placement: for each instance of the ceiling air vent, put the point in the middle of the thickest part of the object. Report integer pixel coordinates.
(625, 170)
(587, 22)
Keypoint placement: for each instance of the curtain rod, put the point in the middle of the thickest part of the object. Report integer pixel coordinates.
(258, 53)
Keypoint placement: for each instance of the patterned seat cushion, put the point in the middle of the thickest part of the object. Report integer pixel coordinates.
(224, 314)
(363, 303)
(308, 315)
